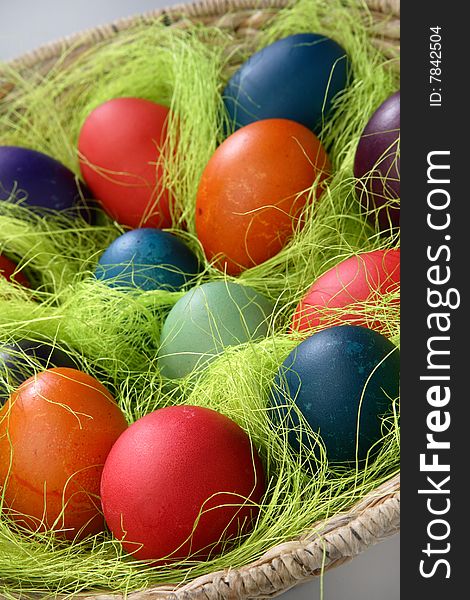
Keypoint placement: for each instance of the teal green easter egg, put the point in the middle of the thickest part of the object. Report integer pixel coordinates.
(208, 319)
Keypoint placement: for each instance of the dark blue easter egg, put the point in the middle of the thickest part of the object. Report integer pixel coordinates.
(294, 78)
(343, 380)
(20, 360)
(377, 164)
(147, 259)
(37, 180)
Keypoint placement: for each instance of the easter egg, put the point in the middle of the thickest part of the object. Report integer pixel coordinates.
(21, 360)
(55, 434)
(294, 78)
(377, 164)
(119, 146)
(179, 482)
(208, 319)
(8, 270)
(253, 190)
(147, 259)
(35, 179)
(342, 380)
(361, 278)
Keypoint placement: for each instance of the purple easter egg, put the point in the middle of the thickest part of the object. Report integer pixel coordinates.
(377, 164)
(38, 180)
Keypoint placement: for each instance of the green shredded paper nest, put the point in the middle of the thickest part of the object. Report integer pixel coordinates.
(114, 333)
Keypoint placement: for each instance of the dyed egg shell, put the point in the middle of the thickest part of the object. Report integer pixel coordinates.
(21, 360)
(365, 277)
(377, 164)
(148, 259)
(342, 380)
(39, 180)
(8, 269)
(253, 190)
(119, 146)
(208, 319)
(173, 466)
(55, 434)
(294, 78)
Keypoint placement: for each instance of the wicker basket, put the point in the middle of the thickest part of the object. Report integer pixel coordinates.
(340, 538)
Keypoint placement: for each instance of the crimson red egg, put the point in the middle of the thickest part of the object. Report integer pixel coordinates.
(55, 433)
(359, 278)
(8, 269)
(178, 482)
(254, 189)
(119, 146)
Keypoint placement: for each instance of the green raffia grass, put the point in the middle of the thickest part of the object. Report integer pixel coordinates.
(116, 334)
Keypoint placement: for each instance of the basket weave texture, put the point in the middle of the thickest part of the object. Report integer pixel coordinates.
(340, 538)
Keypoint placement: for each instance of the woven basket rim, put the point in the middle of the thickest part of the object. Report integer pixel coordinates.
(330, 542)
(200, 8)
(105, 31)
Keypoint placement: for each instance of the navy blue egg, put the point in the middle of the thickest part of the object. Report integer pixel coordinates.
(343, 380)
(20, 360)
(294, 78)
(148, 259)
(38, 180)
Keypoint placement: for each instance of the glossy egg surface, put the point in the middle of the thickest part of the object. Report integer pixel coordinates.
(38, 180)
(208, 319)
(55, 434)
(254, 189)
(294, 78)
(364, 277)
(342, 380)
(377, 164)
(178, 482)
(20, 360)
(119, 145)
(147, 259)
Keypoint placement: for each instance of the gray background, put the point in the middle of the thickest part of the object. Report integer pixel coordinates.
(26, 24)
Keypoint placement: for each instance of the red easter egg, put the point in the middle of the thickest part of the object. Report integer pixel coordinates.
(55, 433)
(356, 279)
(178, 482)
(7, 270)
(253, 190)
(119, 146)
